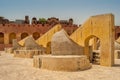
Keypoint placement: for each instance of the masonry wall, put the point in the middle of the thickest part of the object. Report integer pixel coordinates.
(15, 31)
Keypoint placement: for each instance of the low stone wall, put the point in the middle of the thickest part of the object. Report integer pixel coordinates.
(117, 54)
(61, 63)
(27, 53)
(8, 50)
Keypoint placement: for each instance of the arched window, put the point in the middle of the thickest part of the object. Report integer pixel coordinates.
(23, 35)
(11, 37)
(36, 35)
(1, 38)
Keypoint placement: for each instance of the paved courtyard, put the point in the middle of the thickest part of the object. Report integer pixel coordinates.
(12, 68)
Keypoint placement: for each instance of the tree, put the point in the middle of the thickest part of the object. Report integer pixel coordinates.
(42, 20)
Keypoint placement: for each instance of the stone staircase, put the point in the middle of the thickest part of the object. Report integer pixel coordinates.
(96, 57)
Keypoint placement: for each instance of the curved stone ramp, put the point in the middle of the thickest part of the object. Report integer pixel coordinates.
(61, 44)
(22, 42)
(15, 44)
(46, 38)
(31, 44)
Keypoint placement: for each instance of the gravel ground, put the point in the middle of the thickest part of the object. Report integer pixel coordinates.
(12, 68)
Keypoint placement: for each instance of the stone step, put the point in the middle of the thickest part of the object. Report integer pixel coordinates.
(96, 58)
(94, 62)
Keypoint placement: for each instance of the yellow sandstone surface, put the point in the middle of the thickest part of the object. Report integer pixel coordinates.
(102, 27)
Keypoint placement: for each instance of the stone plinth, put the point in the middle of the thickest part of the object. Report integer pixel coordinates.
(27, 53)
(62, 63)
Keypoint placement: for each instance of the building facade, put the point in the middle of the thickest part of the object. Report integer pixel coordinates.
(17, 30)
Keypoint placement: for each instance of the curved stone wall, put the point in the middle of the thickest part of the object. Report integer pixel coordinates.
(61, 44)
(64, 63)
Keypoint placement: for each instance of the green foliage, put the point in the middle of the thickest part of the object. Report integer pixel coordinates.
(42, 20)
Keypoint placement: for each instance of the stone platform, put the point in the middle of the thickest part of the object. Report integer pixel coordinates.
(62, 63)
(27, 53)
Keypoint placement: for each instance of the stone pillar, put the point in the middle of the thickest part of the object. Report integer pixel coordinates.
(6, 38)
(94, 43)
(107, 53)
(27, 20)
(18, 36)
(107, 44)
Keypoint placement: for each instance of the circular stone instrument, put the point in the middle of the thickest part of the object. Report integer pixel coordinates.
(64, 63)
(66, 55)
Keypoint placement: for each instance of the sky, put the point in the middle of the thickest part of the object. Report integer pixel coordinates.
(79, 10)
